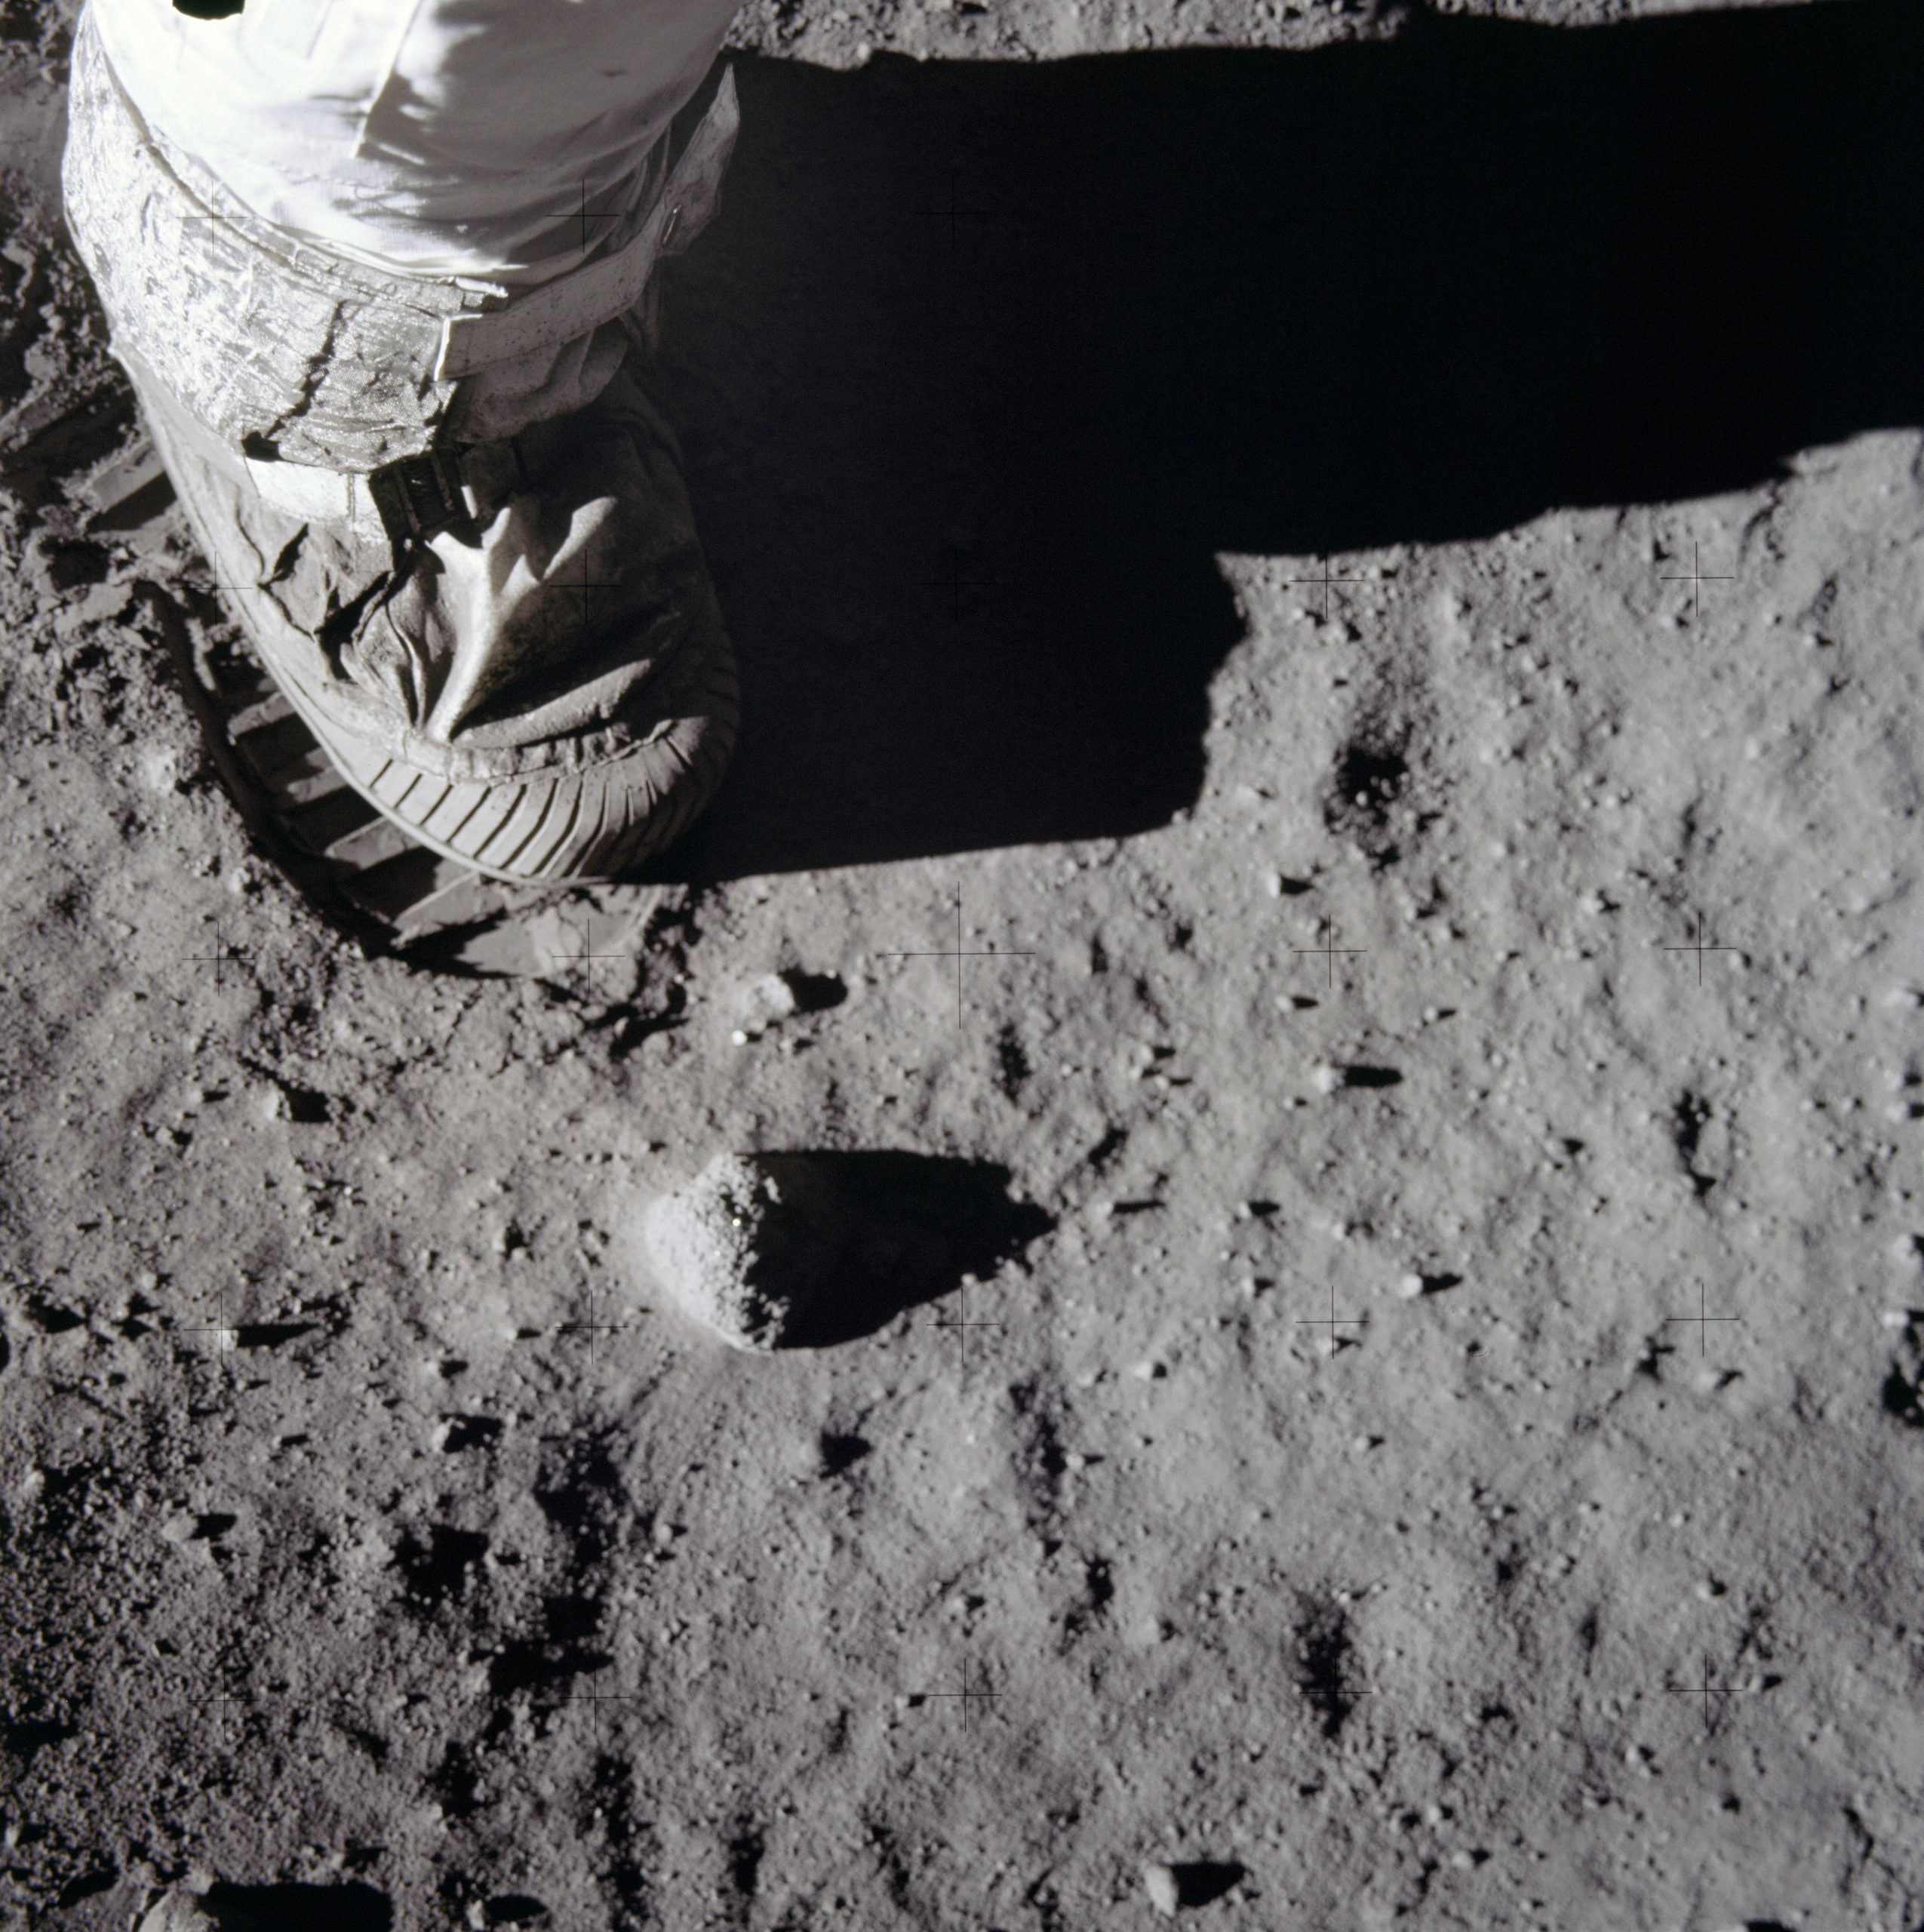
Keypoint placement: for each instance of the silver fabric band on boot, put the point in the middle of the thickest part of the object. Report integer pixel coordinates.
(414, 497)
(297, 360)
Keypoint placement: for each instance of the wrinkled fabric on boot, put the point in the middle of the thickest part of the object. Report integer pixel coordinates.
(289, 351)
(546, 691)
(454, 526)
(497, 139)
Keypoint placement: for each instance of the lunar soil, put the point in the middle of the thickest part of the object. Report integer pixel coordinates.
(1316, 918)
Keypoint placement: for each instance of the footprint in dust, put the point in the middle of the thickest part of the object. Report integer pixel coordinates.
(809, 1250)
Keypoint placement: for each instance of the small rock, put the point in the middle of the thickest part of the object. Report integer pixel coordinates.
(776, 997)
(1326, 1078)
(181, 1910)
(1410, 1287)
(160, 769)
(1158, 1881)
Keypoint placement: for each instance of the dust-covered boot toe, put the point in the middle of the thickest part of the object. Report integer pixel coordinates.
(545, 691)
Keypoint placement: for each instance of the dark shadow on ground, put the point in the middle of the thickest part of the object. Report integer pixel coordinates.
(348, 1908)
(1199, 301)
(907, 1228)
(1205, 1882)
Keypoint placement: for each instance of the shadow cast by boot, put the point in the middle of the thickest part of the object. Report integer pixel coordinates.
(983, 364)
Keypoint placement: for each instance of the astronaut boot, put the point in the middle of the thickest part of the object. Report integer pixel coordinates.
(452, 525)
(541, 689)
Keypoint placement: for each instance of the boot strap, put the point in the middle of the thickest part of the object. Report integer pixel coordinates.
(413, 498)
(418, 496)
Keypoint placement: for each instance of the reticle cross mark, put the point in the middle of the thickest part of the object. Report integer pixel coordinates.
(587, 585)
(1696, 578)
(594, 1699)
(212, 223)
(221, 957)
(220, 1699)
(1698, 946)
(968, 1696)
(955, 583)
(958, 953)
(641, 204)
(1706, 1691)
(1702, 1320)
(954, 214)
(226, 1334)
(1336, 1321)
(252, 585)
(587, 957)
(963, 1325)
(584, 216)
(592, 1329)
(1327, 583)
(1330, 952)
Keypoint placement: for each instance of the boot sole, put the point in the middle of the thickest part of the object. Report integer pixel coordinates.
(485, 828)
(412, 889)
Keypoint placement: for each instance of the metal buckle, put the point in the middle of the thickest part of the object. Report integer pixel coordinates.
(418, 496)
